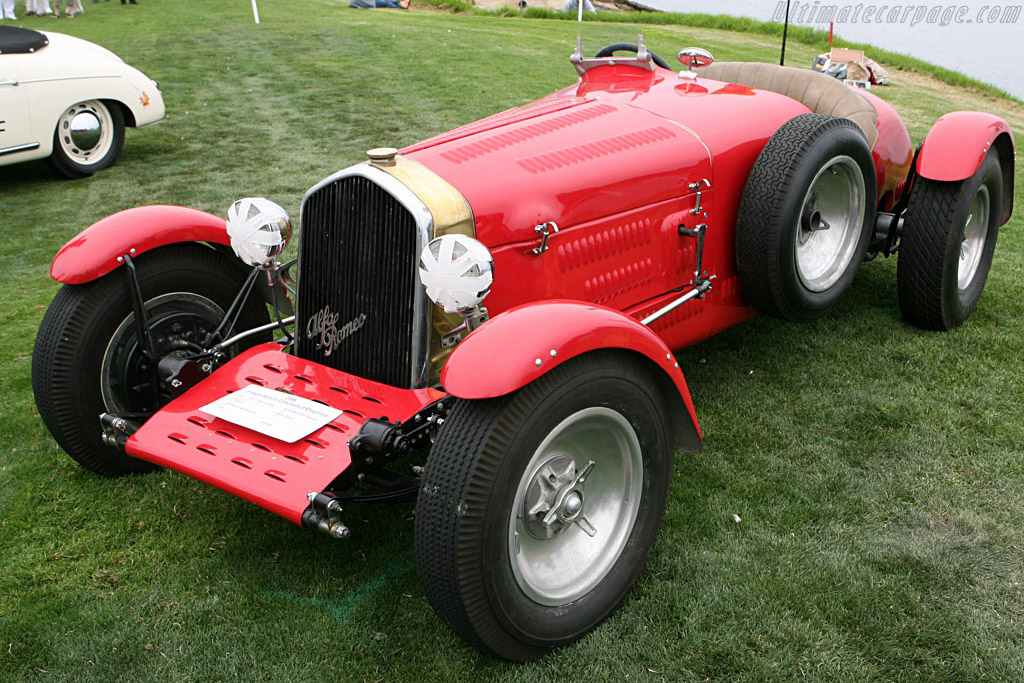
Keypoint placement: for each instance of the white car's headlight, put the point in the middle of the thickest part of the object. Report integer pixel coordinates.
(457, 272)
(259, 230)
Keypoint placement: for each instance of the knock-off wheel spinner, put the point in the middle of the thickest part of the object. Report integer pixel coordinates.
(575, 506)
(555, 499)
(811, 220)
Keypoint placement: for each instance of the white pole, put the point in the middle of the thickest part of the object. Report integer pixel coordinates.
(255, 12)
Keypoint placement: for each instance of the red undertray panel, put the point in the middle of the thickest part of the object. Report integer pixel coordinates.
(271, 473)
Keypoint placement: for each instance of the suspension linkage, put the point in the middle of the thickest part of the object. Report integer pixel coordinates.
(142, 329)
(380, 441)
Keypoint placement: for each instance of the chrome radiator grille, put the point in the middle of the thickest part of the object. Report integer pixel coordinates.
(357, 284)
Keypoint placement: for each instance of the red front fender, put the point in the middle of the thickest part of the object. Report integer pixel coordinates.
(94, 252)
(957, 144)
(525, 342)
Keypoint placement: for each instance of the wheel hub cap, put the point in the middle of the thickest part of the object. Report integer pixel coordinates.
(85, 130)
(573, 506)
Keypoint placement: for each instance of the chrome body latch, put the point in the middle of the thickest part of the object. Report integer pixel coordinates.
(704, 182)
(544, 230)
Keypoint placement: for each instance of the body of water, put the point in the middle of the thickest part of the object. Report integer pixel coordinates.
(978, 38)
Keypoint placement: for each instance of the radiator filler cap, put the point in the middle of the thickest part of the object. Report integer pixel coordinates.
(382, 156)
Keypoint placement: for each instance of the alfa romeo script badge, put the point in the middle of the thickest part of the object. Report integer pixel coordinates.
(323, 326)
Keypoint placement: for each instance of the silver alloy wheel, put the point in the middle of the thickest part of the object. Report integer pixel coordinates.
(85, 132)
(830, 224)
(175, 320)
(975, 232)
(575, 506)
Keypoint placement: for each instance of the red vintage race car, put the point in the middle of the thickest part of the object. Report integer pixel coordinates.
(608, 225)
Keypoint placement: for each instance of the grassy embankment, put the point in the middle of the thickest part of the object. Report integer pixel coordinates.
(878, 470)
(799, 34)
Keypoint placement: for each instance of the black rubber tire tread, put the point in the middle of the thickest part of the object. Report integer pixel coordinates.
(768, 210)
(78, 326)
(926, 270)
(73, 170)
(439, 519)
(462, 477)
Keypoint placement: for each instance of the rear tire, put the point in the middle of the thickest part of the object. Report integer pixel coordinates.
(805, 217)
(949, 238)
(502, 543)
(86, 359)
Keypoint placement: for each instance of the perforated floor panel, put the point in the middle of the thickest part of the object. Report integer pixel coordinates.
(271, 473)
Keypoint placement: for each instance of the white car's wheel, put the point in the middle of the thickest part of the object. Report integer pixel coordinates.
(88, 138)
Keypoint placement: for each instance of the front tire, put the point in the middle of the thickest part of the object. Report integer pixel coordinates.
(88, 138)
(87, 358)
(949, 238)
(515, 553)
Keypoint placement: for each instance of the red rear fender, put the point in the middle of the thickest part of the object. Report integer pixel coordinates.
(957, 144)
(95, 251)
(523, 343)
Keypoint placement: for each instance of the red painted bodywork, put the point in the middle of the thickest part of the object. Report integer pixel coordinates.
(270, 473)
(893, 152)
(535, 338)
(609, 162)
(619, 161)
(957, 144)
(94, 252)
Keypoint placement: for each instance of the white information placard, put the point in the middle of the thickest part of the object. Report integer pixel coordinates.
(274, 413)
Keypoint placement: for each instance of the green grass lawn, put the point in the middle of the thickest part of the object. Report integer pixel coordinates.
(878, 470)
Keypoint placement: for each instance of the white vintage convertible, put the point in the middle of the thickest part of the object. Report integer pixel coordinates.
(68, 101)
